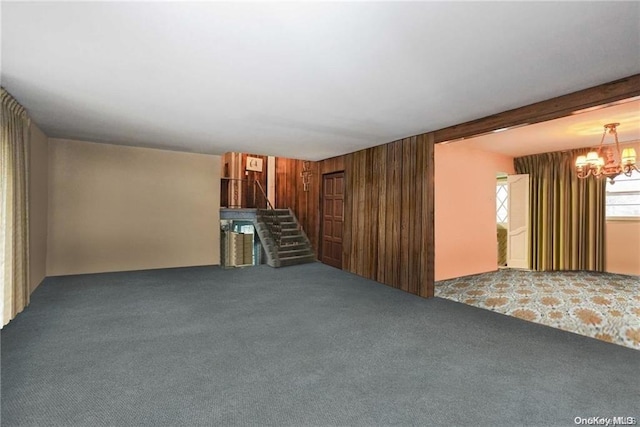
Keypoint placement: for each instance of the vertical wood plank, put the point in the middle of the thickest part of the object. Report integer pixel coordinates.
(372, 208)
(417, 222)
(368, 208)
(356, 243)
(360, 252)
(348, 212)
(355, 199)
(427, 218)
(381, 230)
(390, 191)
(314, 206)
(414, 239)
(396, 216)
(404, 216)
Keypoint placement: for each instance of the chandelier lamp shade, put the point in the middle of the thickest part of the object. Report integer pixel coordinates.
(604, 162)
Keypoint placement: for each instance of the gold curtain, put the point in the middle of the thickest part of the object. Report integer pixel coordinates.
(14, 203)
(567, 214)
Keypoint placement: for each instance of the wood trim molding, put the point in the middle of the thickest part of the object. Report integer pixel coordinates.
(550, 109)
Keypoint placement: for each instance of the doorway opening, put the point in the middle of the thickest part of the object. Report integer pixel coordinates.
(502, 217)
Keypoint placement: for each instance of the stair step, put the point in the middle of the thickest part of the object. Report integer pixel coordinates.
(291, 239)
(288, 225)
(290, 232)
(276, 211)
(293, 246)
(294, 252)
(294, 260)
(279, 220)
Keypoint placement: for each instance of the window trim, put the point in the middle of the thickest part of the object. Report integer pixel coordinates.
(622, 219)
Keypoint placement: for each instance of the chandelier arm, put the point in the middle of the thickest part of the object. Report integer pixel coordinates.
(604, 134)
(615, 135)
(628, 169)
(583, 171)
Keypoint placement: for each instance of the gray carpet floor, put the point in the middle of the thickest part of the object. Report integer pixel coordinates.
(303, 345)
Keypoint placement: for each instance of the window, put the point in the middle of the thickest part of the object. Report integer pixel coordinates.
(501, 202)
(623, 197)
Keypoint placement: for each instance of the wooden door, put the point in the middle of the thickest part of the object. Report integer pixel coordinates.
(332, 218)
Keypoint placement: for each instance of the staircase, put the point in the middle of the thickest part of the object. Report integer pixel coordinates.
(283, 239)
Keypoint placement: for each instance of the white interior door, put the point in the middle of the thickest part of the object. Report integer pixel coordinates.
(518, 225)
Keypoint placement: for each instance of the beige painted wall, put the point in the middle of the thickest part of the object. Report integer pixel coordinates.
(623, 241)
(116, 208)
(465, 210)
(38, 189)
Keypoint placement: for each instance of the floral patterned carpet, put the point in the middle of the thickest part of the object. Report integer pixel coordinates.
(599, 305)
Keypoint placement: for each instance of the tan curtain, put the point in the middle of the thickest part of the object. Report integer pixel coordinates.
(14, 214)
(567, 214)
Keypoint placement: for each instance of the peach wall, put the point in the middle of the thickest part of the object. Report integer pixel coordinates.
(38, 188)
(465, 209)
(623, 247)
(623, 242)
(116, 208)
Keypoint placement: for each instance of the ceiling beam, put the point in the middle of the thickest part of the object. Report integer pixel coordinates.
(550, 109)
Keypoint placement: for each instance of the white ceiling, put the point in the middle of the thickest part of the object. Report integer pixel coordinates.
(307, 80)
(580, 130)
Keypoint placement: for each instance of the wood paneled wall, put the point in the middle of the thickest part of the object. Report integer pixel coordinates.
(242, 194)
(389, 209)
(251, 176)
(290, 194)
(388, 231)
(334, 164)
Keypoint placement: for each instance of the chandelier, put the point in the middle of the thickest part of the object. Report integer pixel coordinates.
(608, 166)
